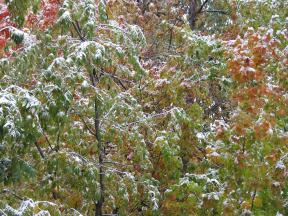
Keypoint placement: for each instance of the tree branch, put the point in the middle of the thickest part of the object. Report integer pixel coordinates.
(86, 125)
(78, 31)
(253, 198)
(203, 5)
(39, 150)
(13, 193)
(215, 11)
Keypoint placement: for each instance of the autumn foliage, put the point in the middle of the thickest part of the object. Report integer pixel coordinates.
(143, 107)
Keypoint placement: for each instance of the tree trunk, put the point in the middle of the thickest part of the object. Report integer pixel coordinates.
(192, 13)
(101, 153)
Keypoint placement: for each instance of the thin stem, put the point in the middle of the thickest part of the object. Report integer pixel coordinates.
(39, 150)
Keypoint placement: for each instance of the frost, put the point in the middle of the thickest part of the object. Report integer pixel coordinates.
(214, 154)
(30, 101)
(61, 114)
(280, 165)
(246, 212)
(212, 195)
(250, 69)
(65, 17)
(28, 207)
(88, 48)
(201, 135)
(7, 99)
(18, 32)
(28, 39)
(160, 139)
(56, 63)
(25, 206)
(85, 84)
(154, 200)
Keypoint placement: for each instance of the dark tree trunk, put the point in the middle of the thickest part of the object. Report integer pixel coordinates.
(195, 8)
(101, 152)
(192, 13)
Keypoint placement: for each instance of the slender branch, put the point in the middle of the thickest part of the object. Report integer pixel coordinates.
(86, 125)
(78, 31)
(117, 171)
(253, 198)
(74, 210)
(4, 214)
(102, 72)
(170, 38)
(49, 143)
(58, 137)
(13, 193)
(39, 150)
(202, 6)
(117, 163)
(84, 160)
(46, 138)
(215, 11)
(121, 84)
(165, 112)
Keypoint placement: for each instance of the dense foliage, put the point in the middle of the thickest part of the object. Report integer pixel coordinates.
(147, 107)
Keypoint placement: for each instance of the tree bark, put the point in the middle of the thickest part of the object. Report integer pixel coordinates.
(195, 8)
(99, 203)
(192, 13)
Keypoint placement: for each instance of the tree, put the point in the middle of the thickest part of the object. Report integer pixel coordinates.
(143, 107)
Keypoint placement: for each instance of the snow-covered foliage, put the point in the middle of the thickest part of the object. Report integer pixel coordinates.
(126, 108)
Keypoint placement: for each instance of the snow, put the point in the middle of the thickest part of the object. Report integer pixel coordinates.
(201, 135)
(280, 165)
(28, 206)
(214, 154)
(25, 205)
(85, 84)
(66, 17)
(212, 195)
(7, 99)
